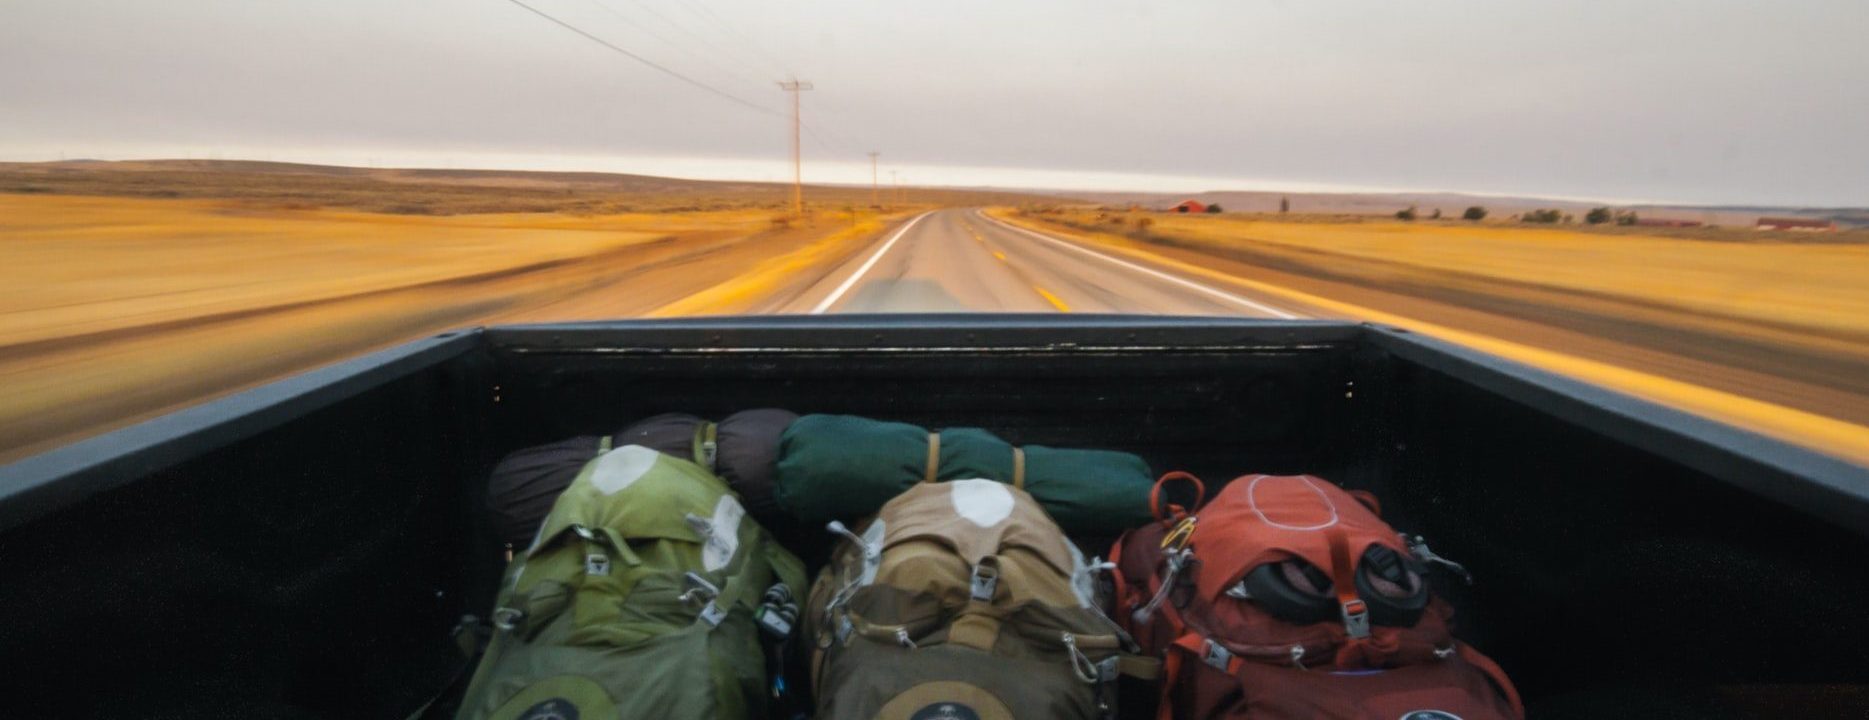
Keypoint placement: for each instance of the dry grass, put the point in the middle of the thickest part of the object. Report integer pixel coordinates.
(113, 308)
(80, 265)
(1821, 287)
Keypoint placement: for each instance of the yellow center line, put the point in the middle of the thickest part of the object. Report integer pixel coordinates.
(1000, 255)
(1055, 302)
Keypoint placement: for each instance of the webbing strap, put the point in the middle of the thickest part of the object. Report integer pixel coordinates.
(705, 444)
(1343, 577)
(979, 621)
(1140, 667)
(934, 458)
(1018, 467)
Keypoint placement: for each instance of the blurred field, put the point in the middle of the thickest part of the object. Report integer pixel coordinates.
(113, 309)
(1822, 288)
(1767, 334)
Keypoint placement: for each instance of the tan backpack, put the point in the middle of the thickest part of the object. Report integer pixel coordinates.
(961, 600)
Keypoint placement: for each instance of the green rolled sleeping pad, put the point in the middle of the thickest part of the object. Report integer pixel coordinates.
(842, 467)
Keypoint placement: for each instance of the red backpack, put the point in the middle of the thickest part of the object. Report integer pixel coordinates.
(1289, 597)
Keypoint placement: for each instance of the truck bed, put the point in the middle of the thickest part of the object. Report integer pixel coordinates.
(303, 549)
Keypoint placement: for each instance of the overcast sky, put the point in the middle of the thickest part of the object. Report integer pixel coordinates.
(1720, 101)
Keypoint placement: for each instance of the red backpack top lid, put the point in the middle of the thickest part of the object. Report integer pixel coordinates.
(1260, 519)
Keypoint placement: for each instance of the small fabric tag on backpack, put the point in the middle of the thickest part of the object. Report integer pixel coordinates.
(722, 538)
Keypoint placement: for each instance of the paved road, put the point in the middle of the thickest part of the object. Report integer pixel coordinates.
(963, 261)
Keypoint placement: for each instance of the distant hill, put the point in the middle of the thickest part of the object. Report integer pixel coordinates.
(1452, 204)
(428, 191)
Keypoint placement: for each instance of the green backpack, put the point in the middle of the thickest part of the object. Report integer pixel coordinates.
(645, 595)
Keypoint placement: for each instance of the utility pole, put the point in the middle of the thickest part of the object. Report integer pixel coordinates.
(875, 196)
(796, 86)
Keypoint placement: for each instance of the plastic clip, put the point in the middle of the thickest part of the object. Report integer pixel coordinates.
(700, 589)
(985, 581)
(1215, 655)
(1356, 618)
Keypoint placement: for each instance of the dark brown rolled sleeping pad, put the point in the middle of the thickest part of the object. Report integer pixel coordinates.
(526, 483)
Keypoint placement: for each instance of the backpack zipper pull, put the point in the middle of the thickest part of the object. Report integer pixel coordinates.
(902, 638)
(835, 526)
(1297, 657)
(1176, 559)
(1418, 546)
(705, 592)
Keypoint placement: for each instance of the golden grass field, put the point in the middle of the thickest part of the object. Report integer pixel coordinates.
(1769, 334)
(1823, 287)
(114, 308)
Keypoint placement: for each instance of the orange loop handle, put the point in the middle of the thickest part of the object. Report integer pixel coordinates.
(1175, 511)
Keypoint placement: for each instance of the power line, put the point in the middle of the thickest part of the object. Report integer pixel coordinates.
(646, 30)
(701, 10)
(666, 20)
(651, 63)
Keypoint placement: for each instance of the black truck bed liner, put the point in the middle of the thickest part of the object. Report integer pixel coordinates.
(303, 549)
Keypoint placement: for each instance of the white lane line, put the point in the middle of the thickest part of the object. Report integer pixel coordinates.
(1191, 285)
(832, 299)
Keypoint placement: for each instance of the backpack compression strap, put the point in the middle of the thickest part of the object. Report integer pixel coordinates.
(706, 444)
(933, 466)
(931, 470)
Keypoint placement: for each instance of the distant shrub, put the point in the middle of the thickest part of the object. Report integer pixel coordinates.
(1475, 213)
(1144, 223)
(1214, 208)
(1544, 217)
(1118, 220)
(1625, 218)
(1284, 205)
(1598, 216)
(781, 222)
(1436, 215)
(1406, 214)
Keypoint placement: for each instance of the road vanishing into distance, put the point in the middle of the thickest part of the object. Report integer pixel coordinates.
(939, 261)
(963, 261)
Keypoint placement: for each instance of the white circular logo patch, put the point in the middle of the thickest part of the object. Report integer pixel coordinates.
(622, 467)
(982, 502)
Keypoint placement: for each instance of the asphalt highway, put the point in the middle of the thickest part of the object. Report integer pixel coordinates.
(960, 260)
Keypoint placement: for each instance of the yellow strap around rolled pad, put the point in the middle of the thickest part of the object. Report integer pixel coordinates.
(934, 458)
(1018, 467)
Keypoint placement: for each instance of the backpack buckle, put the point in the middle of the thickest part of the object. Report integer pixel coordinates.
(597, 563)
(1356, 618)
(508, 619)
(1215, 655)
(985, 581)
(700, 589)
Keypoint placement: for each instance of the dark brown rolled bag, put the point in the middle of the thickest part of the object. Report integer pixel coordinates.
(742, 449)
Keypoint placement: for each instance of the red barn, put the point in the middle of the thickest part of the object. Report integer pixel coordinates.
(1190, 206)
(1781, 223)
